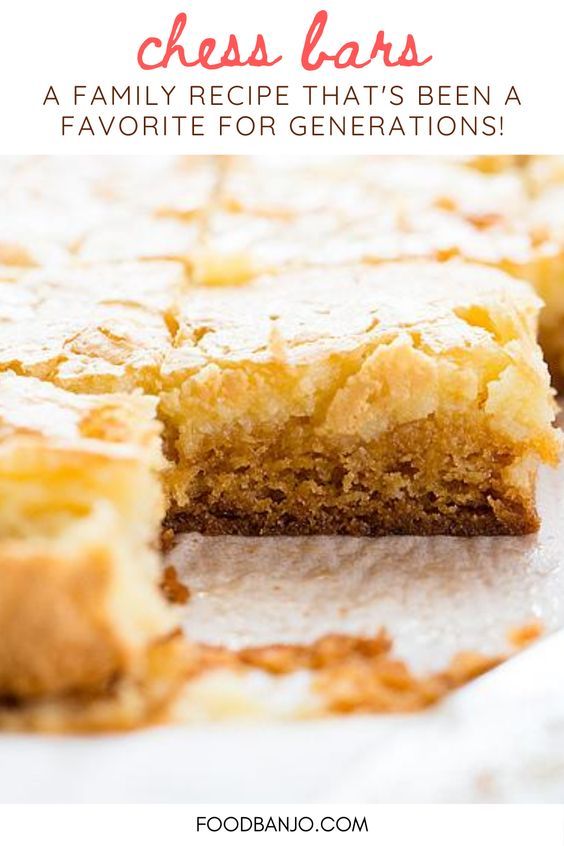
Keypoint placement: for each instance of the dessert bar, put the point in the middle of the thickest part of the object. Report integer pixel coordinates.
(406, 398)
(79, 526)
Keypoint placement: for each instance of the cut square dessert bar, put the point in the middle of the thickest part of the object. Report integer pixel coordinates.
(50, 206)
(92, 329)
(81, 511)
(367, 210)
(406, 398)
(359, 186)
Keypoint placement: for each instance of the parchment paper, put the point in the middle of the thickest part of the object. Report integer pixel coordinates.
(434, 595)
(500, 738)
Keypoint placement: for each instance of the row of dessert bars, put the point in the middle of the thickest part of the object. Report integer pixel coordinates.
(251, 346)
(230, 219)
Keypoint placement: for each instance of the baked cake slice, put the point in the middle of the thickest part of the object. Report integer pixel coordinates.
(325, 375)
(405, 398)
(80, 521)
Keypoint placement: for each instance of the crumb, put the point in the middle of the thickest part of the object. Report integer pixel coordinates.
(446, 204)
(539, 235)
(167, 540)
(522, 636)
(351, 674)
(321, 654)
(466, 666)
(172, 588)
(383, 684)
(277, 344)
(484, 221)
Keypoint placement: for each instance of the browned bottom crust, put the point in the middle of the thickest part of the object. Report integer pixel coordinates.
(516, 520)
(433, 476)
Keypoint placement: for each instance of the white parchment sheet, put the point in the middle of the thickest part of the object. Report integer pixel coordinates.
(434, 595)
(500, 738)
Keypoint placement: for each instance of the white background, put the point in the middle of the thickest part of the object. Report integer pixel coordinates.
(390, 825)
(63, 43)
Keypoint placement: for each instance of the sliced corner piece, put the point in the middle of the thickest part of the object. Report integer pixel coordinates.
(102, 328)
(406, 398)
(80, 607)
